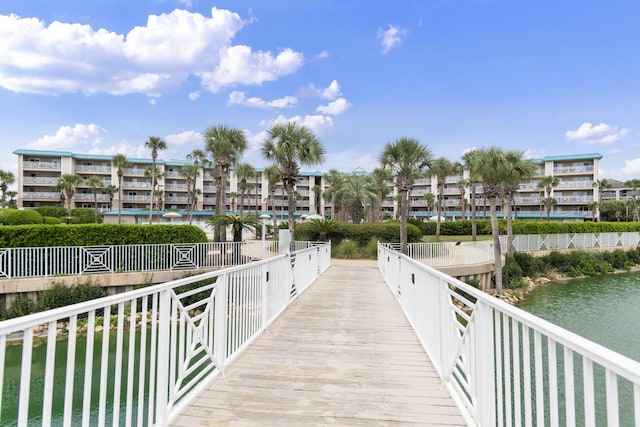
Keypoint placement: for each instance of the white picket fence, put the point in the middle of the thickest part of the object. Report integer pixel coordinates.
(137, 358)
(551, 242)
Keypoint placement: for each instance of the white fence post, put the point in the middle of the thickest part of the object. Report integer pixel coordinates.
(220, 322)
(162, 373)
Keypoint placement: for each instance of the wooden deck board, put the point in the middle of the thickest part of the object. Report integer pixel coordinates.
(342, 354)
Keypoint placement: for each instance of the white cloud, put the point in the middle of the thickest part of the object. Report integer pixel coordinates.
(239, 98)
(391, 37)
(334, 108)
(184, 138)
(151, 59)
(79, 137)
(194, 95)
(322, 55)
(316, 123)
(330, 92)
(603, 133)
(131, 151)
(631, 168)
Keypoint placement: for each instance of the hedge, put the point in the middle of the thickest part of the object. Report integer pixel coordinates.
(360, 233)
(17, 217)
(452, 228)
(98, 235)
(541, 227)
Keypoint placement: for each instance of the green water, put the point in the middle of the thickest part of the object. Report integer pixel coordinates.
(604, 309)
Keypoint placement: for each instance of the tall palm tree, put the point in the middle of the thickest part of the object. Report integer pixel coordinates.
(462, 185)
(430, 198)
(226, 146)
(407, 157)
(634, 184)
(120, 162)
(334, 180)
(6, 179)
(199, 158)
(381, 179)
(547, 184)
(317, 195)
(110, 190)
(94, 183)
(359, 194)
(289, 146)
(188, 172)
(12, 195)
(441, 168)
(494, 169)
(471, 163)
(273, 177)
(156, 144)
(519, 170)
(600, 184)
(67, 185)
(244, 172)
(548, 204)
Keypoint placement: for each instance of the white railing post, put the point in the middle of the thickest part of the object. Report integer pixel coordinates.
(485, 369)
(220, 322)
(162, 372)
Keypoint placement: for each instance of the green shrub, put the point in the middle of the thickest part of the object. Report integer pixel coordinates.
(531, 266)
(84, 216)
(52, 211)
(346, 249)
(61, 295)
(20, 217)
(387, 232)
(98, 234)
(512, 274)
(370, 250)
(51, 220)
(21, 306)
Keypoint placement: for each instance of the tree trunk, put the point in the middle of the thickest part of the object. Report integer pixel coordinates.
(507, 212)
(291, 204)
(497, 255)
(403, 222)
(474, 229)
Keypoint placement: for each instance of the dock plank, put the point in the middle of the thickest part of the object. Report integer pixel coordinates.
(342, 354)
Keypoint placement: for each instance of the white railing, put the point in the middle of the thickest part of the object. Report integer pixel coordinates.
(504, 366)
(445, 254)
(164, 344)
(553, 242)
(75, 260)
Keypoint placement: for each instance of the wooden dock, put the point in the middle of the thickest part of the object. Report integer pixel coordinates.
(342, 354)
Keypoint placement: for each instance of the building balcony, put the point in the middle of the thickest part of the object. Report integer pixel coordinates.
(89, 196)
(92, 168)
(571, 169)
(41, 165)
(178, 187)
(33, 195)
(575, 184)
(134, 171)
(574, 199)
(41, 180)
(136, 198)
(136, 184)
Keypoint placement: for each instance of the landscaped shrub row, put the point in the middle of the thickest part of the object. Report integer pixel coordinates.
(47, 215)
(452, 228)
(360, 233)
(98, 234)
(58, 295)
(573, 264)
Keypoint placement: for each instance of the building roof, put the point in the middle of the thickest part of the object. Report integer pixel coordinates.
(588, 156)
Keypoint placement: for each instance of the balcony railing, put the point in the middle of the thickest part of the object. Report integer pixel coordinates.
(40, 195)
(572, 169)
(41, 165)
(41, 180)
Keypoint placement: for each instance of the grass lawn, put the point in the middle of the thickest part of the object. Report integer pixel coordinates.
(432, 239)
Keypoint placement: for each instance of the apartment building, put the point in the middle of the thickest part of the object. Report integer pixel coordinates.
(39, 171)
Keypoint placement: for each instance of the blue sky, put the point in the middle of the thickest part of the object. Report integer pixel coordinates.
(548, 77)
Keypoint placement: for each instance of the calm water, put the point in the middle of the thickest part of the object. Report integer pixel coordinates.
(603, 309)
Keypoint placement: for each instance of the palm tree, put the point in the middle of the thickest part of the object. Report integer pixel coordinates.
(430, 198)
(273, 177)
(317, 195)
(323, 227)
(188, 172)
(519, 170)
(244, 172)
(406, 157)
(549, 203)
(95, 183)
(600, 184)
(234, 197)
(462, 186)
(494, 169)
(6, 179)
(12, 202)
(238, 224)
(156, 144)
(120, 162)
(471, 163)
(634, 184)
(547, 184)
(334, 180)
(67, 184)
(441, 169)
(381, 179)
(152, 173)
(289, 146)
(226, 146)
(200, 160)
(110, 190)
(359, 193)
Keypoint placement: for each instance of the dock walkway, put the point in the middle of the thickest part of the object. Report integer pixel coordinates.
(342, 354)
